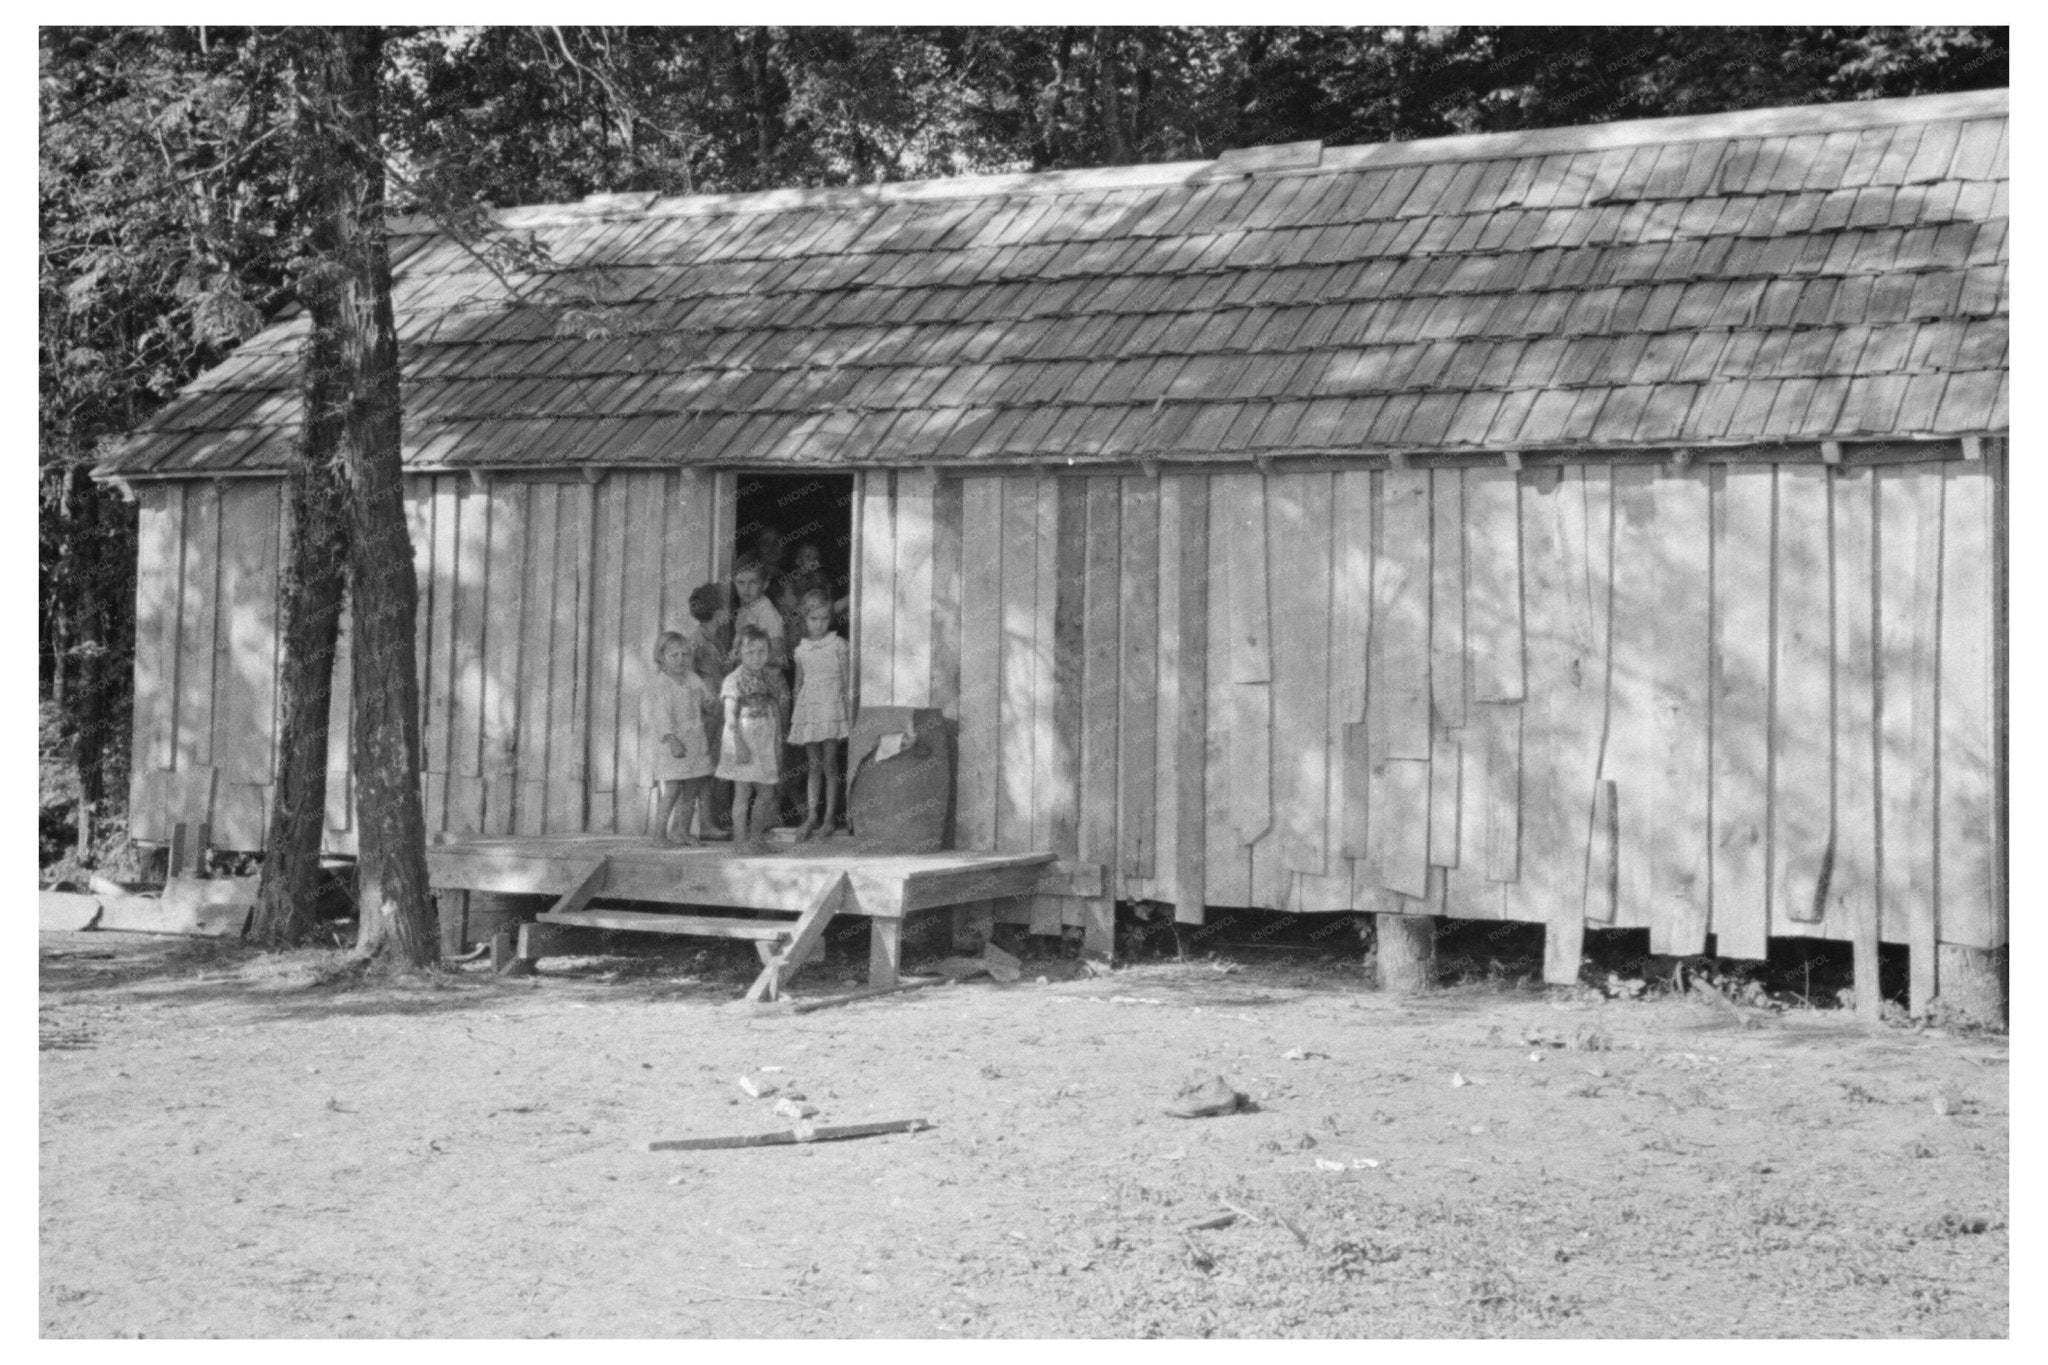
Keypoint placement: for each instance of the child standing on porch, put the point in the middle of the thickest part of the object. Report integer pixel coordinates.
(709, 633)
(756, 704)
(819, 720)
(673, 721)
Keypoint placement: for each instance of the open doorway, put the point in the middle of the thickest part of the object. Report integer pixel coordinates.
(800, 509)
(776, 517)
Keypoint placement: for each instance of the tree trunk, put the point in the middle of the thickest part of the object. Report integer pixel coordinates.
(764, 138)
(1406, 952)
(1110, 107)
(316, 495)
(316, 503)
(397, 923)
(93, 547)
(1055, 138)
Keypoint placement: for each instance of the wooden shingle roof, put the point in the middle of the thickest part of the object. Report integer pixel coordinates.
(1829, 272)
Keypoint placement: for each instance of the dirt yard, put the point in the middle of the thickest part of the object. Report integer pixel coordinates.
(230, 1148)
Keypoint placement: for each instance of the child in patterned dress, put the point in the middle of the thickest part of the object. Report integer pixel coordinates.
(756, 705)
(819, 719)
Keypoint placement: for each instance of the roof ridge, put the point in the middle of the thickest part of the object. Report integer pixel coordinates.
(1847, 116)
(1773, 122)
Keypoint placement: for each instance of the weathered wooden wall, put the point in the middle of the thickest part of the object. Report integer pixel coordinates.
(540, 602)
(1743, 700)
(205, 658)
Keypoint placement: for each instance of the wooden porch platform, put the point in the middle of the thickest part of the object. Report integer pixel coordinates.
(810, 882)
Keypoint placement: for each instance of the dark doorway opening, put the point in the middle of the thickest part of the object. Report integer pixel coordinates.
(801, 509)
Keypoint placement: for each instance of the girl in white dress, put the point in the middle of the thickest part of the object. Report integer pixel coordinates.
(672, 719)
(819, 720)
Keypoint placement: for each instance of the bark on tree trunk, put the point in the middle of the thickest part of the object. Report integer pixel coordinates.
(94, 681)
(396, 924)
(1407, 952)
(316, 503)
(764, 133)
(1111, 106)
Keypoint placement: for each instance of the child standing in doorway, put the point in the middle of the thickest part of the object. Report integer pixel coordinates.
(754, 609)
(756, 705)
(806, 578)
(819, 720)
(673, 719)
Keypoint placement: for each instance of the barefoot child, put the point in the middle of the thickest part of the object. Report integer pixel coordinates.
(708, 635)
(819, 720)
(756, 701)
(673, 722)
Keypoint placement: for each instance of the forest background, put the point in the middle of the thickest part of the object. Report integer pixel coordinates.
(168, 183)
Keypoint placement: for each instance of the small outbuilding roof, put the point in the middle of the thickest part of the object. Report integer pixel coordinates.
(1826, 272)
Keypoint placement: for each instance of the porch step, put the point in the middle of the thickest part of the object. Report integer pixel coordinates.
(700, 926)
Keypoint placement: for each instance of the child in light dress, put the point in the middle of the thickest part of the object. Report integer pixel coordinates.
(756, 705)
(709, 631)
(672, 719)
(819, 721)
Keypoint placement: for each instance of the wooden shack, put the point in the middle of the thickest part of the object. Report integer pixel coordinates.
(1591, 526)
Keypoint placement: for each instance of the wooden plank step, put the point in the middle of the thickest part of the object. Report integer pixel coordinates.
(699, 926)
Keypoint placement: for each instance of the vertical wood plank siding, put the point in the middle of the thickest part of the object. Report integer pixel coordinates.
(909, 582)
(1802, 721)
(562, 774)
(245, 683)
(535, 669)
(1908, 596)
(1761, 699)
(1191, 733)
(981, 656)
(198, 626)
(464, 813)
(1137, 678)
(159, 542)
(437, 669)
(1483, 693)
(1966, 843)
(1743, 513)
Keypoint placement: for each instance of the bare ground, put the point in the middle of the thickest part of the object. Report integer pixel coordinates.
(230, 1148)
